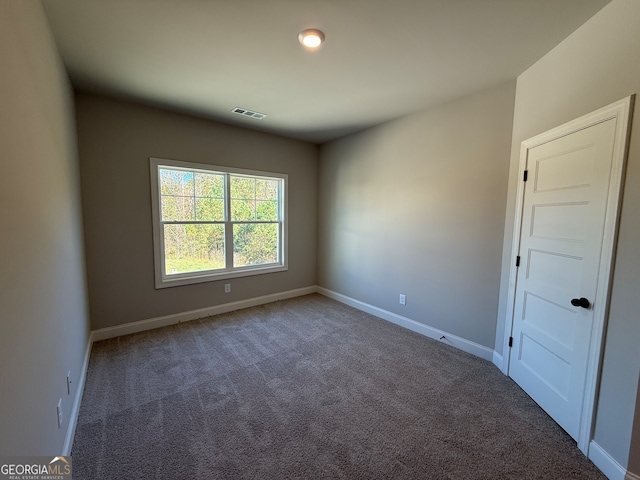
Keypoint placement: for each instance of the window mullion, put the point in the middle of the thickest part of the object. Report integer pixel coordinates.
(195, 215)
(281, 220)
(228, 229)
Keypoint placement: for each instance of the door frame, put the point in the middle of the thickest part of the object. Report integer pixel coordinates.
(621, 111)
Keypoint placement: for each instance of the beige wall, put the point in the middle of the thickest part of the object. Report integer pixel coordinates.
(115, 140)
(597, 65)
(44, 326)
(416, 206)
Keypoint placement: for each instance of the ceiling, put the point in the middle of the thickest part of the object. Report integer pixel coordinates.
(381, 59)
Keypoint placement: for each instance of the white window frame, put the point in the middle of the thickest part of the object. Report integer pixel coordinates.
(162, 280)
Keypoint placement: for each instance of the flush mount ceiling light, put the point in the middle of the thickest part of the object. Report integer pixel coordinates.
(311, 38)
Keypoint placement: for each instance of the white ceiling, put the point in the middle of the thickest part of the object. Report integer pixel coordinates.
(382, 58)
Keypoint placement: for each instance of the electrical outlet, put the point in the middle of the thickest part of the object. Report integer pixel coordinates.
(403, 299)
(69, 383)
(59, 412)
(227, 288)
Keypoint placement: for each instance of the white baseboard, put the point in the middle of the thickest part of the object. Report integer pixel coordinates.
(75, 408)
(157, 322)
(498, 361)
(450, 339)
(606, 463)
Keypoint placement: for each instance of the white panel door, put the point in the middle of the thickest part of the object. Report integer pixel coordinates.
(561, 238)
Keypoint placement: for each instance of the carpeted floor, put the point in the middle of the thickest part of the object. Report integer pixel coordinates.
(308, 388)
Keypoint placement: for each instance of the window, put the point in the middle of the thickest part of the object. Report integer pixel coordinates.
(213, 223)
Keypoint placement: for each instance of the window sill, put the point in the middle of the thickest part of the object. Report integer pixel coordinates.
(187, 279)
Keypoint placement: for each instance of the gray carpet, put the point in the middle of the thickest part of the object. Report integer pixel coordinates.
(308, 388)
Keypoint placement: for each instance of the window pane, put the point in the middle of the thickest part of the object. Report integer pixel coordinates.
(192, 248)
(243, 210)
(266, 189)
(243, 194)
(255, 244)
(176, 182)
(254, 199)
(243, 187)
(266, 210)
(177, 208)
(208, 208)
(209, 185)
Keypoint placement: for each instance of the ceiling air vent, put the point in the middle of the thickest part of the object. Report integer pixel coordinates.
(248, 113)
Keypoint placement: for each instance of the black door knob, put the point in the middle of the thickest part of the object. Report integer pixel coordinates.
(580, 302)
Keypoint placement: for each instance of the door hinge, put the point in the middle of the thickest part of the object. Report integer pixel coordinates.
(518, 261)
(510, 342)
(525, 176)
